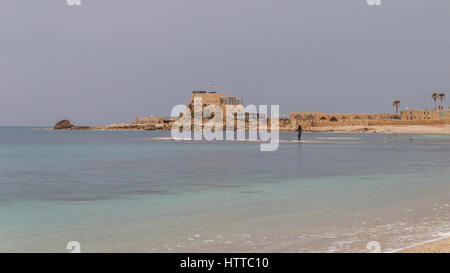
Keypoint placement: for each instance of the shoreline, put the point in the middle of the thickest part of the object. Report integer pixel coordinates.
(436, 129)
(407, 129)
(386, 129)
(438, 245)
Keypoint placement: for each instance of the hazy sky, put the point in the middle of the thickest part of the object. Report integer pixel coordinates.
(112, 60)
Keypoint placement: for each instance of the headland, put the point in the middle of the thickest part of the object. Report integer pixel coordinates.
(424, 121)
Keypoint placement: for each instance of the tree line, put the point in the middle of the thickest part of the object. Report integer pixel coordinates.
(434, 96)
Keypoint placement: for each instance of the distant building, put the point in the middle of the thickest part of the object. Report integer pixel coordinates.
(406, 117)
(219, 99)
(153, 120)
(319, 116)
(425, 115)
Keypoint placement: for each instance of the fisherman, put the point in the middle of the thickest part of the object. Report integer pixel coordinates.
(299, 131)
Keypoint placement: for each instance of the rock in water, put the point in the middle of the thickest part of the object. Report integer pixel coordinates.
(63, 124)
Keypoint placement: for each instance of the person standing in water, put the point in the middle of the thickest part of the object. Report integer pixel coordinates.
(299, 131)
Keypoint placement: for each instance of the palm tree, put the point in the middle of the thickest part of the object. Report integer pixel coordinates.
(435, 96)
(396, 104)
(442, 97)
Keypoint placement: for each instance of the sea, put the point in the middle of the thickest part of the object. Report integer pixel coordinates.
(139, 191)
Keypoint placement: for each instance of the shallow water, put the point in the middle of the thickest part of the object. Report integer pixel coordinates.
(126, 191)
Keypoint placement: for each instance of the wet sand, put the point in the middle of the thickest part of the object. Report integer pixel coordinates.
(438, 246)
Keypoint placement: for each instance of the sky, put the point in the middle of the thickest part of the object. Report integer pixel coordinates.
(108, 61)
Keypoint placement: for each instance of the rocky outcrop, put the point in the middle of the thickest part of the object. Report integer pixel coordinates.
(63, 125)
(66, 125)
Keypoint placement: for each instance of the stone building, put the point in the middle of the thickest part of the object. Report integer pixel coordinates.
(219, 99)
(404, 118)
(154, 123)
(316, 118)
(213, 98)
(413, 115)
(153, 120)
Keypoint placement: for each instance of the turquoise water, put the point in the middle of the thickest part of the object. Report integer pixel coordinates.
(125, 191)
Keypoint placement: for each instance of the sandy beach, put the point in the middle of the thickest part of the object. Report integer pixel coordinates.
(409, 129)
(438, 246)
